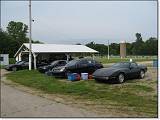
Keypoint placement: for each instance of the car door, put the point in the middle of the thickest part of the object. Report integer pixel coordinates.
(91, 66)
(25, 65)
(83, 67)
(134, 70)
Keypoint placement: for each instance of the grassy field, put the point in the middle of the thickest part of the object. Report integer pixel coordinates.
(105, 60)
(136, 98)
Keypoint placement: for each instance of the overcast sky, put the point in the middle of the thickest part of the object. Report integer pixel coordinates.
(70, 22)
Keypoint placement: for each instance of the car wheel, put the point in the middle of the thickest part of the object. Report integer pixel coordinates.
(14, 69)
(121, 78)
(142, 74)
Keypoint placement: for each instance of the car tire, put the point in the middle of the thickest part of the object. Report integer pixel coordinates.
(121, 78)
(142, 74)
(14, 69)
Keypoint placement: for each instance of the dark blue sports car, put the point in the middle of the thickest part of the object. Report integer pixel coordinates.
(76, 66)
(120, 72)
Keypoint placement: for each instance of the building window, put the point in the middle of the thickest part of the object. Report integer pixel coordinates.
(1, 58)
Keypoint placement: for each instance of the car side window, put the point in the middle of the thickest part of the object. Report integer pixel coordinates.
(62, 62)
(133, 65)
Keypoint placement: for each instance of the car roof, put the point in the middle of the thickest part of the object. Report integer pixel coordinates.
(59, 60)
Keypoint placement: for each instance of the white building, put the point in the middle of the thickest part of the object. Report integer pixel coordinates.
(4, 59)
(47, 51)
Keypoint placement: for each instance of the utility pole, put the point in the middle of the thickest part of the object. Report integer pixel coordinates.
(108, 49)
(30, 37)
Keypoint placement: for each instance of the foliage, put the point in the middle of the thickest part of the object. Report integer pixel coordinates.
(136, 96)
(16, 35)
(139, 47)
(13, 38)
(12, 60)
(18, 32)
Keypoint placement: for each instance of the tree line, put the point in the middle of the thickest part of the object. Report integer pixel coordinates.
(16, 34)
(139, 47)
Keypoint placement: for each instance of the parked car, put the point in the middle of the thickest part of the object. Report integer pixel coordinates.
(76, 66)
(56, 63)
(20, 65)
(17, 66)
(121, 72)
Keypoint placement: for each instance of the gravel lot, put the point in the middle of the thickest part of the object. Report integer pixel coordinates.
(58, 105)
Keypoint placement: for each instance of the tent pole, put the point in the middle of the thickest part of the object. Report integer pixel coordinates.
(20, 56)
(67, 58)
(93, 56)
(35, 66)
(30, 37)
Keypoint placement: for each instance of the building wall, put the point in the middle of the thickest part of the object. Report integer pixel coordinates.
(4, 59)
(123, 50)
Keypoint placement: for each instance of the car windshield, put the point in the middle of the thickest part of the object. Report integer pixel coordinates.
(20, 62)
(120, 65)
(54, 62)
(73, 62)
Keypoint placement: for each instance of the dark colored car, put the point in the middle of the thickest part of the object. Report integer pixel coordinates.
(76, 66)
(20, 65)
(17, 66)
(120, 72)
(56, 63)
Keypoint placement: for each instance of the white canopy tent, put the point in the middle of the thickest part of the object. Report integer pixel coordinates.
(52, 48)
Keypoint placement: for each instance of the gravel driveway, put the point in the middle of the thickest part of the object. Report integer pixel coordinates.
(17, 103)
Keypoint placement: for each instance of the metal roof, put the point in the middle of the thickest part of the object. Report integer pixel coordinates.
(58, 48)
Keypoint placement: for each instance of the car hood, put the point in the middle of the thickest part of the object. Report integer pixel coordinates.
(11, 65)
(105, 71)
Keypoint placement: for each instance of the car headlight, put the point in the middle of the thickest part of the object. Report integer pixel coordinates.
(62, 69)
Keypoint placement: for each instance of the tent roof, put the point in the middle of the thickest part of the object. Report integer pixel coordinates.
(58, 48)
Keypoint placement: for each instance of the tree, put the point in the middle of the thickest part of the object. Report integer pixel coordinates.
(78, 44)
(129, 47)
(18, 31)
(4, 41)
(139, 38)
(114, 49)
(13, 38)
(138, 46)
(37, 41)
(151, 46)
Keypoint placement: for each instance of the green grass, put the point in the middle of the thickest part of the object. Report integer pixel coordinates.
(12, 60)
(2, 66)
(125, 95)
(105, 60)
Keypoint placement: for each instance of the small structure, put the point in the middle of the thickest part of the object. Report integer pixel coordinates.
(4, 59)
(50, 51)
(123, 49)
